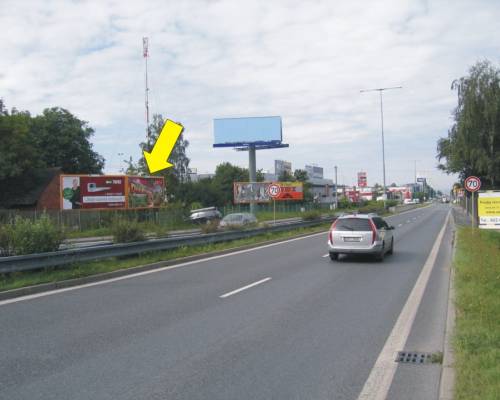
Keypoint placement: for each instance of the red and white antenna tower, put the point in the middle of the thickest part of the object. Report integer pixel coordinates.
(145, 53)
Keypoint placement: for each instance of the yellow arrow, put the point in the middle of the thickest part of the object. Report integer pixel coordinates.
(157, 158)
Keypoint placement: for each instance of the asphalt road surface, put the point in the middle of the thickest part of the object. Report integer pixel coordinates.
(277, 322)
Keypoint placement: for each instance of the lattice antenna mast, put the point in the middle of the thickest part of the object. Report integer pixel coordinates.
(145, 53)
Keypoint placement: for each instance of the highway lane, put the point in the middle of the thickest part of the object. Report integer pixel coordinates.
(312, 331)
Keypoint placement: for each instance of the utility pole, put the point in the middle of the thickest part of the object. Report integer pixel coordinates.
(380, 90)
(336, 190)
(145, 53)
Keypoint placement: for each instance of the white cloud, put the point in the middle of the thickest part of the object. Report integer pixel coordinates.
(305, 61)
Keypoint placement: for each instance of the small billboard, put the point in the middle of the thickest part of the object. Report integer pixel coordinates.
(234, 132)
(488, 210)
(145, 191)
(111, 191)
(88, 191)
(362, 181)
(258, 192)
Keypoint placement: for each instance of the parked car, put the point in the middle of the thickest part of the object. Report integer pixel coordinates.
(204, 215)
(237, 220)
(360, 234)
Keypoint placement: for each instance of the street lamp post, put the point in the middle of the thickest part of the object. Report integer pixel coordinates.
(380, 90)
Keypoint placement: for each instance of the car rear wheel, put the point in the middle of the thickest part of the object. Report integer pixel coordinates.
(334, 256)
(380, 256)
(391, 250)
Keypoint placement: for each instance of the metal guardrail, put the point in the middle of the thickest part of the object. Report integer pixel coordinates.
(65, 257)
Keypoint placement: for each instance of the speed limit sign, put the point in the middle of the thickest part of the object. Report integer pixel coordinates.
(472, 184)
(274, 190)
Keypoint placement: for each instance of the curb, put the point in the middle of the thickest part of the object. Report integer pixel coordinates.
(44, 287)
(447, 381)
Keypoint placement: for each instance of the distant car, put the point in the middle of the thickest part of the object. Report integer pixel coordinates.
(204, 215)
(360, 234)
(237, 220)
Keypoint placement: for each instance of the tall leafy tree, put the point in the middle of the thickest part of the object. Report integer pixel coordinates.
(19, 157)
(225, 175)
(176, 175)
(473, 143)
(63, 140)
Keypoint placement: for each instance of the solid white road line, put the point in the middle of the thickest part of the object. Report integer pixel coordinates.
(153, 271)
(245, 287)
(379, 381)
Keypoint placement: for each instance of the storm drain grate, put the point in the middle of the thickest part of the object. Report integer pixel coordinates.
(414, 357)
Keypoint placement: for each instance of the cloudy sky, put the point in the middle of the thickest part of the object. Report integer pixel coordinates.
(303, 60)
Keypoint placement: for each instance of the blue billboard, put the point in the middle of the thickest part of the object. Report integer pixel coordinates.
(237, 132)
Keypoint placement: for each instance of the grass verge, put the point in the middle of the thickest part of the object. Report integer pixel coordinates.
(23, 279)
(477, 334)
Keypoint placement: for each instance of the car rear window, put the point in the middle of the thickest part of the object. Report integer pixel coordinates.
(353, 224)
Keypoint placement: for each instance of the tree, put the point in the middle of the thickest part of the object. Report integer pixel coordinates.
(19, 157)
(473, 143)
(62, 140)
(225, 176)
(260, 175)
(176, 175)
(301, 176)
(285, 176)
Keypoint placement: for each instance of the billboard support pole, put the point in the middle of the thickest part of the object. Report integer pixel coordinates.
(252, 170)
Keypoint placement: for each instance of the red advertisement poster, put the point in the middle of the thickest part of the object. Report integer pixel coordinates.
(362, 182)
(290, 191)
(145, 191)
(102, 191)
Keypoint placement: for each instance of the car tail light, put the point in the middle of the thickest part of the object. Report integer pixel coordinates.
(330, 234)
(374, 231)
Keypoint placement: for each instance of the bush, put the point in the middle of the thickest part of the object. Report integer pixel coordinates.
(371, 209)
(392, 203)
(311, 215)
(210, 226)
(127, 231)
(24, 236)
(196, 205)
(4, 240)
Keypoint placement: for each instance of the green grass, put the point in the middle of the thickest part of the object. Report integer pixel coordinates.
(477, 334)
(22, 279)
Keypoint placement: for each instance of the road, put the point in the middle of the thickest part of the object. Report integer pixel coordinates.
(277, 322)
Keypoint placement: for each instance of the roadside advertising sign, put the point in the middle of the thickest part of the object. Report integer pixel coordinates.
(145, 191)
(87, 191)
(258, 192)
(362, 181)
(488, 210)
(111, 192)
(472, 183)
(102, 191)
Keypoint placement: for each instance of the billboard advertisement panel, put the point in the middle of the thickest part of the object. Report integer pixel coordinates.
(145, 192)
(253, 130)
(258, 192)
(111, 191)
(281, 166)
(362, 181)
(102, 191)
(488, 210)
(314, 172)
(87, 191)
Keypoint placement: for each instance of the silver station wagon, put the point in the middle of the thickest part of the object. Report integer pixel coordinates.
(360, 234)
